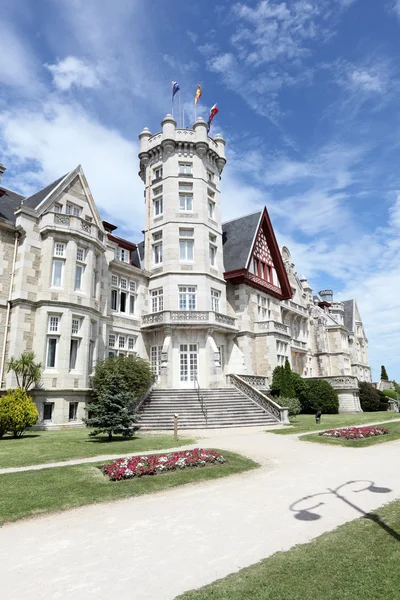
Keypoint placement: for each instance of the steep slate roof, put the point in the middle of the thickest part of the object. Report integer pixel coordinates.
(9, 201)
(34, 200)
(348, 318)
(237, 238)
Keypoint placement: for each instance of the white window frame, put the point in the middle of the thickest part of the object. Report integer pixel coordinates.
(186, 244)
(51, 338)
(53, 324)
(157, 248)
(73, 209)
(80, 254)
(186, 202)
(215, 298)
(123, 255)
(211, 208)
(157, 300)
(158, 172)
(74, 341)
(60, 263)
(76, 326)
(155, 359)
(158, 206)
(79, 268)
(59, 249)
(185, 168)
(187, 297)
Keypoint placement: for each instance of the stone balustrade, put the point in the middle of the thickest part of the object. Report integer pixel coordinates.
(280, 413)
(193, 317)
(71, 223)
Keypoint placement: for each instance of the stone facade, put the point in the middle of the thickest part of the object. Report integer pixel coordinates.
(196, 299)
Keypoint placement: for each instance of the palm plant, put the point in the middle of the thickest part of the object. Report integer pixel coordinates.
(27, 372)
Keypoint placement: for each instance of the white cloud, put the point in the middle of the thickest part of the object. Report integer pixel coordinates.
(74, 71)
(396, 7)
(18, 67)
(46, 142)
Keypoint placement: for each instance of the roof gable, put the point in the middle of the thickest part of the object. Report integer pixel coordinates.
(263, 266)
(36, 199)
(9, 201)
(237, 239)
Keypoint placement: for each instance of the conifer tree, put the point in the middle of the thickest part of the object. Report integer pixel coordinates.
(287, 387)
(384, 375)
(113, 412)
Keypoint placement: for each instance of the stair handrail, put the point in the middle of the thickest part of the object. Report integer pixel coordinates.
(281, 413)
(145, 396)
(200, 398)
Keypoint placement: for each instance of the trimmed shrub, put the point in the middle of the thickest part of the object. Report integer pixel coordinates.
(321, 396)
(392, 394)
(17, 412)
(292, 404)
(371, 399)
(300, 390)
(278, 375)
(287, 387)
(135, 376)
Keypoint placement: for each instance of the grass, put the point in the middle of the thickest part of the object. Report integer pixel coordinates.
(38, 447)
(394, 434)
(305, 423)
(31, 493)
(356, 561)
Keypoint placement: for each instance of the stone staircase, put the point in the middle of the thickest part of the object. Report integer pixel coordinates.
(226, 407)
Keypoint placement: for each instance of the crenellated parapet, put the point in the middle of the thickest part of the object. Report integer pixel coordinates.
(186, 142)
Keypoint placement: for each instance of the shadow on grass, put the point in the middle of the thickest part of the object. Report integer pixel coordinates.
(22, 437)
(308, 513)
(105, 440)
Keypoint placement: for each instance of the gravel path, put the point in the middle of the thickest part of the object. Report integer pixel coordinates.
(155, 547)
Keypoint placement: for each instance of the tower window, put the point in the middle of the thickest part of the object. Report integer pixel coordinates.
(158, 172)
(186, 244)
(187, 297)
(185, 168)
(185, 202)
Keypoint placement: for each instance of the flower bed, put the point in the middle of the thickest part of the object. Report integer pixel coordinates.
(354, 433)
(136, 466)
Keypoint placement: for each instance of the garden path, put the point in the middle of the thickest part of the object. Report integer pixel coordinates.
(155, 547)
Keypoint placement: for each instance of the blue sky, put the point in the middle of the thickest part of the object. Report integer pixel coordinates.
(308, 92)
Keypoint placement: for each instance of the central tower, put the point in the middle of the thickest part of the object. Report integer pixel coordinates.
(187, 325)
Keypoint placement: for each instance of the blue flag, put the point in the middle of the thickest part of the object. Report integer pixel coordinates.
(175, 88)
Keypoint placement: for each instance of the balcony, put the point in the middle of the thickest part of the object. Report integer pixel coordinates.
(294, 307)
(299, 346)
(194, 318)
(70, 223)
(273, 326)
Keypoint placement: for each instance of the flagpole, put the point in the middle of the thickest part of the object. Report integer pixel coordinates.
(179, 109)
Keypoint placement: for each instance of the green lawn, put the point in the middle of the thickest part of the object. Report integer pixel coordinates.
(394, 434)
(52, 446)
(357, 561)
(304, 423)
(33, 492)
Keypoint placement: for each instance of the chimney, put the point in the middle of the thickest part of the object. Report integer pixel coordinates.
(2, 169)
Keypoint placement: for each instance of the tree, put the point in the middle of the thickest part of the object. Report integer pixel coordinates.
(27, 372)
(277, 378)
(118, 383)
(136, 376)
(287, 387)
(384, 375)
(113, 412)
(371, 399)
(17, 412)
(321, 396)
(300, 390)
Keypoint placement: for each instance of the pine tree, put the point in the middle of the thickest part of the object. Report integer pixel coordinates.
(384, 375)
(287, 388)
(277, 378)
(113, 412)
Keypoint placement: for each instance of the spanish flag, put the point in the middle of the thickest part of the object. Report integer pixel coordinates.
(197, 94)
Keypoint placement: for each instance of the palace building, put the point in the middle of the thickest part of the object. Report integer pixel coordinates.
(212, 305)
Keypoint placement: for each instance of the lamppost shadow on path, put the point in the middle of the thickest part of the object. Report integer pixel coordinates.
(308, 511)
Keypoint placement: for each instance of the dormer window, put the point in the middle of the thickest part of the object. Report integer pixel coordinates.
(122, 254)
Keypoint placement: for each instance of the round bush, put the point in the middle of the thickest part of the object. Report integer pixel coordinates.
(320, 396)
(392, 394)
(293, 404)
(17, 412)
(371, 399)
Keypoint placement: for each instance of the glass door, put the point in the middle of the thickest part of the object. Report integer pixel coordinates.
(188, 361)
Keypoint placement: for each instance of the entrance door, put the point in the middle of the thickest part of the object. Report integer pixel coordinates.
(188, 364)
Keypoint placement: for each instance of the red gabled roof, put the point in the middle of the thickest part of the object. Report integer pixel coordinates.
(264, 247)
